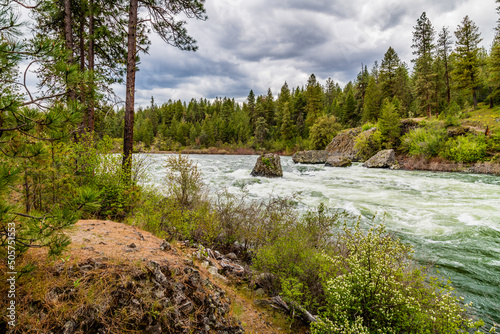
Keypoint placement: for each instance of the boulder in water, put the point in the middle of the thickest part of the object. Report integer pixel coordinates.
(268, 165)
(338, 161)
(310, 157)
(383, 159)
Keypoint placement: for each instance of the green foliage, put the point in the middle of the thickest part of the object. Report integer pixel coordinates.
(323, 131)
(467, 61)
(378, 290)
(425, 142)
(295, 257)
(372, 101)
(368, 143)
(470, 148)
(368, 126)
(388, 125)
(183, 180)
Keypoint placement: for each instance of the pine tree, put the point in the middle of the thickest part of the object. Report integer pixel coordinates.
(372, 102)
(494, 62)
(29, 140)
(251, 109)
(164, 21)
(388, 125)
(466, 71)
(444, 48)
(284, 98)
(387, 74)
(314, 98)
(350, 117)
(423, 45)
(287, 128)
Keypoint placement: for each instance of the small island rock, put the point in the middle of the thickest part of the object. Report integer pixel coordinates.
(310, 157)
(383, 159)
(268, 165)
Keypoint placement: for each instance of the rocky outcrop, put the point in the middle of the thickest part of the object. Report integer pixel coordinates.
(383, 159)
(343, 145)
(156, 297)
(310, 157)
(338, 161)
(406, 125)
(438, 164)
(268, 165)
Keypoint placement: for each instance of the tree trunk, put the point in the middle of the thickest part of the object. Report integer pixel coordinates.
(128, 133)
(448, 90)
(91, 108)
(83, 90)
(68, 37)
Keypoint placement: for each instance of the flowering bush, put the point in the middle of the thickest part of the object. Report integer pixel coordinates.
(378, 290)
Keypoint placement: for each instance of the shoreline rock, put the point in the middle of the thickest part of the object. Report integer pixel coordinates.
(383, 159)
(440, 165)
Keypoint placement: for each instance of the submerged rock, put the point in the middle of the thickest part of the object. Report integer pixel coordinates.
(338, 161)
(268, 165)
(383, 159)
(310, 157)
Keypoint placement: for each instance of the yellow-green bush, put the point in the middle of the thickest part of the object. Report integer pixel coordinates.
(470, 148)
(377, 289)
(425, 142)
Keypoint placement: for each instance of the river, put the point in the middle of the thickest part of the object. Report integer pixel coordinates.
(451, 219)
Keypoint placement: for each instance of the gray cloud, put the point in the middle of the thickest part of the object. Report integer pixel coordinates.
(263, 43)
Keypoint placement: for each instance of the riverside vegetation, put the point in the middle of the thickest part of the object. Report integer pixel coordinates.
(354, 281)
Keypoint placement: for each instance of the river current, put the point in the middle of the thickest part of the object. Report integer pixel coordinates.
(451, 219)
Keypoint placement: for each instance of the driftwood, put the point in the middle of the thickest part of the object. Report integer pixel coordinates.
(293, 308)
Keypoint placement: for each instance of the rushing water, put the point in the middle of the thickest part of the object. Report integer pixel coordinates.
(452, 219)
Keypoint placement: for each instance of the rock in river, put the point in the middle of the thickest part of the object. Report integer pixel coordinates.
(338, 161)
(268, 165)
(310, 157)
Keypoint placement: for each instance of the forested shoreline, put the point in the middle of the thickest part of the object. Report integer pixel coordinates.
(451, 77)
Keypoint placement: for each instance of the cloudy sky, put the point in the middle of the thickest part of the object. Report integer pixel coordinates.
(260, 44)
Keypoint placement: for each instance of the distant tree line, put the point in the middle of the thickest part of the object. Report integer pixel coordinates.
(449, 69)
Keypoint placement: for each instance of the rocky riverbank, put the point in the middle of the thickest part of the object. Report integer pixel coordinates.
(116, 278)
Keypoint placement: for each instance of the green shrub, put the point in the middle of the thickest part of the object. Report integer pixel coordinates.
(493, 142)
(368, 144)
(323, 131)
(183, 180)
(468, 148)
(378, 290)
(368, 126)
(295, 258)
(425, 142)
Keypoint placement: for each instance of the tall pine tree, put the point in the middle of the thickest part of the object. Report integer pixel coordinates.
(467, 64)
(423, 45)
